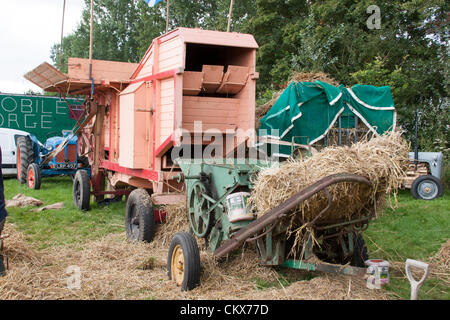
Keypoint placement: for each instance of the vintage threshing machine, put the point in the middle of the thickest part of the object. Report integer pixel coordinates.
(194, 90)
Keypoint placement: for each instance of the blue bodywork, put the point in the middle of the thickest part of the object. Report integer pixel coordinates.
(53, 167)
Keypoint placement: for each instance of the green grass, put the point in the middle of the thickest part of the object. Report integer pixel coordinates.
(416, 229)
(65, 226)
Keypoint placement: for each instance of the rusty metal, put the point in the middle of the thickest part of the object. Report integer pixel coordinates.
(347, 270)
(262, 234)
(276, 213)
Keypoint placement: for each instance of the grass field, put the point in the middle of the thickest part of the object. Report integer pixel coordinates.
(415, 229)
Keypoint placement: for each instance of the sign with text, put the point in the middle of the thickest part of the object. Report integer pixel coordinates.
(42, 116)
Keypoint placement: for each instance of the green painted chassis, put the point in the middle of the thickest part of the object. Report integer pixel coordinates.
(209, 183)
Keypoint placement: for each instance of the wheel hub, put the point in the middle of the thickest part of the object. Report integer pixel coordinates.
(427, 189)
(31, 178)
(177, 265)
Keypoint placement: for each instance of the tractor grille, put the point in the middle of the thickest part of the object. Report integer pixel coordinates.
(71, 154)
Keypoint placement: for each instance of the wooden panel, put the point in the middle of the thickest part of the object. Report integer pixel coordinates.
(166, 121)
(192, 83)
(234, 80)
(101, 70)
(45, 76)
(170, 54)
(126, 131)
(212, 77)
(207, 110)
(147, 69)
(231, 39)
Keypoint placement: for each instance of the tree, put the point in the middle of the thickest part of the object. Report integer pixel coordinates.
(409, 52)
(115, 36)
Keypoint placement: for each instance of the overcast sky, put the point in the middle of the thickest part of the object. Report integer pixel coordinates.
(28, 29)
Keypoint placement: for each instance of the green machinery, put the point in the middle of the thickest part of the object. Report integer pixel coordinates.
(209, 188)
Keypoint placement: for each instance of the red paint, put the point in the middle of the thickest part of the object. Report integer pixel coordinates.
(160, 215)
(139, 173)
(158, 76)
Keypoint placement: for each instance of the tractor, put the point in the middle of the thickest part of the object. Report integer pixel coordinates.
(36, 160)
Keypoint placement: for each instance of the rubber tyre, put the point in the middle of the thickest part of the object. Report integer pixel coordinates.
(81, 190)
(360, 254)
(415, 187)
(24, 157)
(139, 217)
(34, 176)
(190, 278)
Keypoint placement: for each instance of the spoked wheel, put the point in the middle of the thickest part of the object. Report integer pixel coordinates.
(81, 190)
(139, 216)
(34, 176)
(201, 221)
(183, 262)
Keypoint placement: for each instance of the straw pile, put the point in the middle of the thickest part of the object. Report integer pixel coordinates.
(383, 160)
(262, 110)
(113, 268)
(440, 264)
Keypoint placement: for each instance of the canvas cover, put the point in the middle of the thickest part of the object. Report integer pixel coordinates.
(306, 111)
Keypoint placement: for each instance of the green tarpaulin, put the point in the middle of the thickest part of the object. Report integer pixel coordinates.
(306, 111)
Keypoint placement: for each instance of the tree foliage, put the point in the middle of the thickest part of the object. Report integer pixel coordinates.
(409, 52)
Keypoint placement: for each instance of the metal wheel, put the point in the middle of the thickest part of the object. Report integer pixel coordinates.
(177, 265)
(183, 261)
(426, 188)
(34, 176)
(200, 219)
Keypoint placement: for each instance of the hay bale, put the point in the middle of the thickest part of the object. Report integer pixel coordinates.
(176, 220)
(383, 160)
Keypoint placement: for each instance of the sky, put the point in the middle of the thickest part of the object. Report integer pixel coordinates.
(28, 30)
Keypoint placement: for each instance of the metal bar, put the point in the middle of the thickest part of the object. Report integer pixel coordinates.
(340, 131)
(347, 270)
(116, 192)
(276, 213)
(343, 223)
(296, 264)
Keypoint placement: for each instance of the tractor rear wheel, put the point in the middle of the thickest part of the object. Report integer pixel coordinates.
(34, 176)
(139, 216)
(427, 187)
(183, 261)
(81, 190)
(24, 157)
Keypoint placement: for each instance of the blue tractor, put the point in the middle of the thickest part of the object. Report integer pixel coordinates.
(58, 156)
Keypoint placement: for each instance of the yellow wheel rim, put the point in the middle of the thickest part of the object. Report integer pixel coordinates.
(177, 265)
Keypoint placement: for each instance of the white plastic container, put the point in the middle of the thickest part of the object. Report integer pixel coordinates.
(237, 207)
(379, 271)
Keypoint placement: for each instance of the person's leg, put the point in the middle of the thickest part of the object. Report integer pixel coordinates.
(2, 224)
(2, 259)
